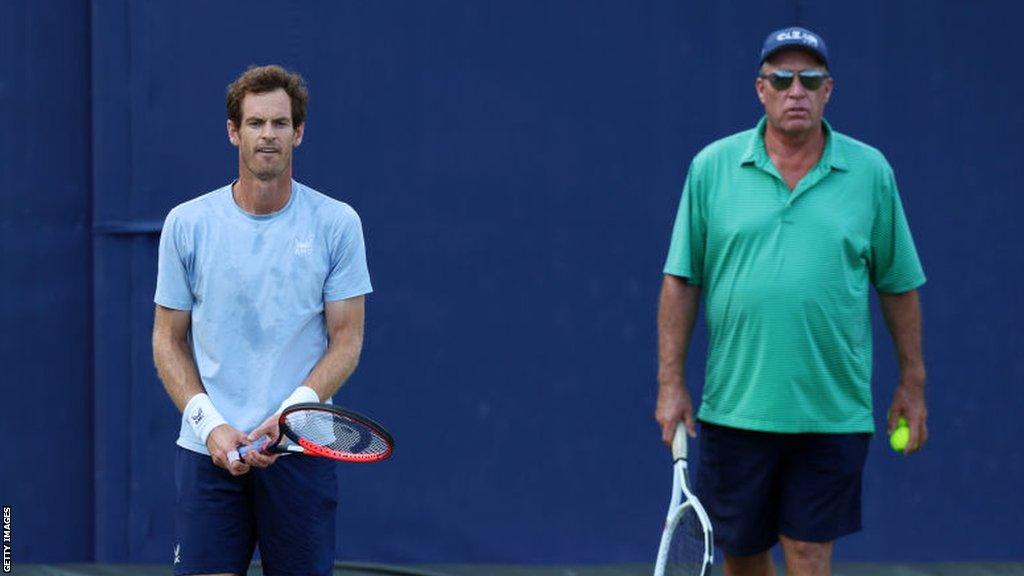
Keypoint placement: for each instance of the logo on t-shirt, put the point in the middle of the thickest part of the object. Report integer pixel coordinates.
(304, 247)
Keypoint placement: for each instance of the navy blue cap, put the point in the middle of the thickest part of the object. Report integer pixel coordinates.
(794, 37)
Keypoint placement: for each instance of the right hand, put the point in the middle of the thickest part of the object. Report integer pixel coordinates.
(674, 405)
(271, 429)
(224, 439)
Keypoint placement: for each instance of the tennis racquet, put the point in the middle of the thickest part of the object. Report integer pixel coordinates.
(324, 430)
(686, 544)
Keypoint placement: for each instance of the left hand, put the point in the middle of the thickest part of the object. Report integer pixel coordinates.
(268, 428)
(908, 402)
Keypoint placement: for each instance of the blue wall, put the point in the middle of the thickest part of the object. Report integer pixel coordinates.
(517, 167)
(46, 350)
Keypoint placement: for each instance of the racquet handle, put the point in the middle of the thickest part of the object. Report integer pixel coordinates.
(679, 442)
(257, 445)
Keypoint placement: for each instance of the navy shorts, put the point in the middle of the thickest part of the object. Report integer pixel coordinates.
(288, 509)
(757, 485)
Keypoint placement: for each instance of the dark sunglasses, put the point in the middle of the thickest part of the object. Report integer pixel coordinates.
(782, 79)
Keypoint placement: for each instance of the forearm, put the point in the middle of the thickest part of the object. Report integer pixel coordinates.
(677, 313)
(337, 364)
(903, 317)
(177, 368)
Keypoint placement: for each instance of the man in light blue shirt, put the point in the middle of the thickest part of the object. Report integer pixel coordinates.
(259, 305)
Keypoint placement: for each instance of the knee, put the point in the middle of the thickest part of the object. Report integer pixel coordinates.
(808, 550)
(757, 564)
(807, 557)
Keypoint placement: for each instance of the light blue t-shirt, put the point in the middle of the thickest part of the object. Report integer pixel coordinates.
(256, 286)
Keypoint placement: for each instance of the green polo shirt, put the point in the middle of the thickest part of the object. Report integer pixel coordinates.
(785, 277)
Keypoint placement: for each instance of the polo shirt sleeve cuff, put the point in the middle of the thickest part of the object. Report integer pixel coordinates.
(682, 273)
(902, 287)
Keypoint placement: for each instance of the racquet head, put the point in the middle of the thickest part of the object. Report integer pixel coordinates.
(331, 432)
(688, 548)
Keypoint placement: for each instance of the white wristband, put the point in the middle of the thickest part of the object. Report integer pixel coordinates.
(300, 395)
(202, 416)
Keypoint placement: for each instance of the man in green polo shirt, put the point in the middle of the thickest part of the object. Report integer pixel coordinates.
(783, 229)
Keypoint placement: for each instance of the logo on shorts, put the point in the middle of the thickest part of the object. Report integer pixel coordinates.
(304, 247)
(177, 553)
(197, 417)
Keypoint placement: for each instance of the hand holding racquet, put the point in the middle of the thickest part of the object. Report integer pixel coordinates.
(326, 431)
(686, 543)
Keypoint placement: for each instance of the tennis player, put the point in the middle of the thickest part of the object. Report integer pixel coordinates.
(782, 229)
(259, 305)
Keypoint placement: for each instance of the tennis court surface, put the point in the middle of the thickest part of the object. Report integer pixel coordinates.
(351, 569)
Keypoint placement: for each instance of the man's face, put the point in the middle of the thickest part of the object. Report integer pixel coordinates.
(266, 136)
(796, 109)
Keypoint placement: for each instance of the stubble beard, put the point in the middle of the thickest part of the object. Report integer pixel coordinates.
(265, 174)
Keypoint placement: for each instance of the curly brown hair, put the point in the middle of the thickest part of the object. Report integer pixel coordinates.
(263, 79)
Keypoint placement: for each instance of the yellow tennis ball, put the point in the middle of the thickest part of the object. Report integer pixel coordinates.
(900, 436)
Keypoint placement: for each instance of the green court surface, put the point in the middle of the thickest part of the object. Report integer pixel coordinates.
(347, 569)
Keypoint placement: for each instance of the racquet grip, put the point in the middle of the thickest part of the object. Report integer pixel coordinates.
(257, 445)
(679, 442)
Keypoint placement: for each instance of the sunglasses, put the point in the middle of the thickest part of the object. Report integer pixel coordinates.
(782, 79)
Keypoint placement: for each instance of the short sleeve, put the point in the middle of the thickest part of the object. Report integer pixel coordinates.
(349, 276)
(689, 234)
(895, 267)
(173, 289)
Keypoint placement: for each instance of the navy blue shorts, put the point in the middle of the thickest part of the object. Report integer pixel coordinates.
(757, 485)
(288, 509)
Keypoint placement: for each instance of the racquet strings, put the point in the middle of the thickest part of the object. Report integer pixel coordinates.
(686, 551)
(337, 432)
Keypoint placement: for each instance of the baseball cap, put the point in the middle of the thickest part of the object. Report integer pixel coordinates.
(794, 37)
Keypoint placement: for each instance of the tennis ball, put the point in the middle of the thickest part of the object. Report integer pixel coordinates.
(900, 436)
